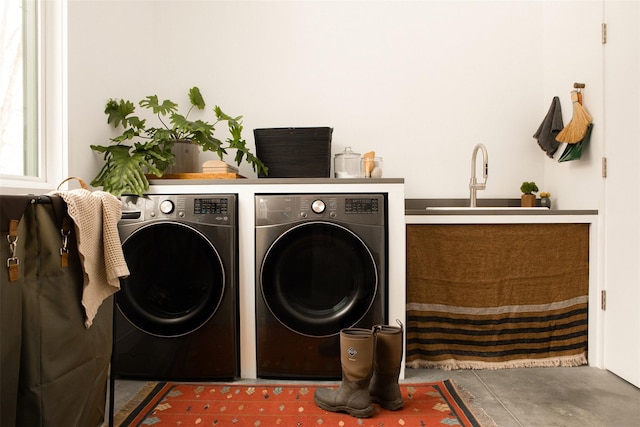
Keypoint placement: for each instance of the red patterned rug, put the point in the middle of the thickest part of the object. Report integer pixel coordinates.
(266, 405)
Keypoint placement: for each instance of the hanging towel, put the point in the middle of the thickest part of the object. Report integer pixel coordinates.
(95, 216)
(549, 128)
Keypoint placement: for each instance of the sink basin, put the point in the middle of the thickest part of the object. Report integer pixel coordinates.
(461, 207)
(481, 208)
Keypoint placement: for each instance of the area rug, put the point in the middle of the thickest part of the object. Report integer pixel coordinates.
(266, 405)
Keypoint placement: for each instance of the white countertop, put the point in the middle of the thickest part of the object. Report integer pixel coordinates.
(276, 181)
(504, 218)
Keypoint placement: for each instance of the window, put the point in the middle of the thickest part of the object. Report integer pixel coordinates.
(31, 93)
(18, 114)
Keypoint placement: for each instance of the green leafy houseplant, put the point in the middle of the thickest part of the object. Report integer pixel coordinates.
(141, 149)
(528, 187)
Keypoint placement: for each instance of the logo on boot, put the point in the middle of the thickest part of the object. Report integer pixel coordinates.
(351, 352)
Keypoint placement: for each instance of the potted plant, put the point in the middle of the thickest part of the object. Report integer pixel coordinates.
(143, 149)
(528, 199)
(545, 199)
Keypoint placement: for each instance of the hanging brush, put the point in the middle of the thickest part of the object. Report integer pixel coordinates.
(576, 129)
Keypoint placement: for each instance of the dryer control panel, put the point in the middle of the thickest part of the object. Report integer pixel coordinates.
(286, 208)
(208, 209)
(361, 205)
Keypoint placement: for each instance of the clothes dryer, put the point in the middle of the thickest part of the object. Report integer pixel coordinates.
(176, 314)
(321, 266)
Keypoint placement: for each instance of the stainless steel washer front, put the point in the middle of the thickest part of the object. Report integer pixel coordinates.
(176, 314)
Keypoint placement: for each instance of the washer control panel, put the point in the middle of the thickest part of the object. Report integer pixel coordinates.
(210, 209)
(211, 205)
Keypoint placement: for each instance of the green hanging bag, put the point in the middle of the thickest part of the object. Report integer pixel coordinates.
(574, 151)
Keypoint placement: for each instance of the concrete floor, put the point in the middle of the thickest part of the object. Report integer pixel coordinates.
(546, 397)
(532, 397)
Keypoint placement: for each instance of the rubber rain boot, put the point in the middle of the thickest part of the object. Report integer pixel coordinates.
(384, 388)
(356, 357)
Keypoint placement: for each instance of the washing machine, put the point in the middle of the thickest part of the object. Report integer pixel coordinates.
(321, 266)
(176, 314)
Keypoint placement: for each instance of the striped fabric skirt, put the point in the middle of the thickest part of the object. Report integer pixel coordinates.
(497, 295)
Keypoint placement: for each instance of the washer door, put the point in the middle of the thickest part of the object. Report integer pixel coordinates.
(318, 278)
(176, 282)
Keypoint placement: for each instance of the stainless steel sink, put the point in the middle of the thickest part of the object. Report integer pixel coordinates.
(481, 208)
(495, 207)
(462, 207)
(462, 204)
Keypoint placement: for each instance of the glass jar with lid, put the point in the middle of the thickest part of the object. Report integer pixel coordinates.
(346, 164)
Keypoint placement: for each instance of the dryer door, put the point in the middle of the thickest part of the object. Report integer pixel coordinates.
(318, 278)
(176, 282)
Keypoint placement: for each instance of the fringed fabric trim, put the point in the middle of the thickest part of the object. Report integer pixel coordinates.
(450, 364)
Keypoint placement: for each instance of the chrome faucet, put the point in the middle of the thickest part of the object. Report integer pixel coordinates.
(474, 186)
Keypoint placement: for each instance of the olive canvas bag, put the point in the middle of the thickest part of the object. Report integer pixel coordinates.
(63, 366)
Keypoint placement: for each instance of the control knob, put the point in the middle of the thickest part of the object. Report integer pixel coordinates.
(166, 207)
(318, 206)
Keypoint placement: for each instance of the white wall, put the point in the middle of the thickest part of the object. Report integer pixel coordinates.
(419, 82)
(573, 52)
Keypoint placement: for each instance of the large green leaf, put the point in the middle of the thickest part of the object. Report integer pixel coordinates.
(220, 115)
(160, 134)
(123, 171)
(128, 134)
(118, 112)
(195, 130)
(210, 143)
(165, 108)
(196, 98)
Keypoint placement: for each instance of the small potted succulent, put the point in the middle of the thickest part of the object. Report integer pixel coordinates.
(528, 199)
(143, 149)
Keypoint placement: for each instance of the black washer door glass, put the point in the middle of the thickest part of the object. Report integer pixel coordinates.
(319, 278)
(176, 282)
